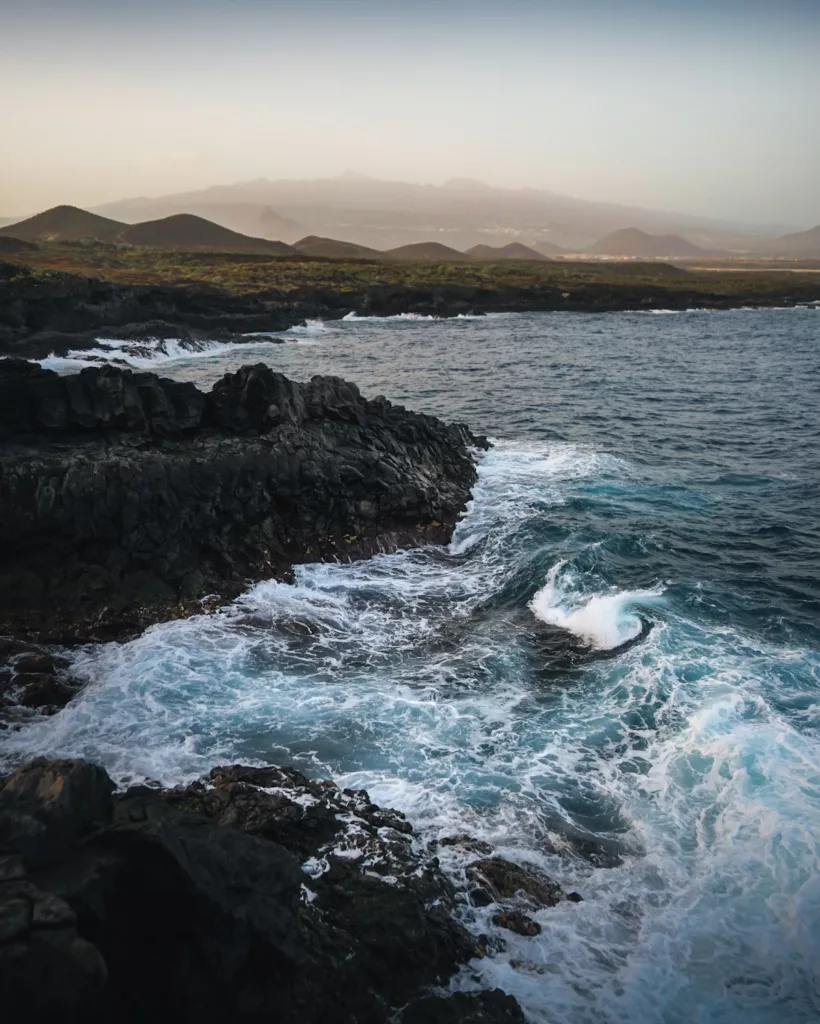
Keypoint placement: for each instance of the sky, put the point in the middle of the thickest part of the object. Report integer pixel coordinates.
(709, 107)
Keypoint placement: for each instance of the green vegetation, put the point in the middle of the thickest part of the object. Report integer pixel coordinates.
(242, 273)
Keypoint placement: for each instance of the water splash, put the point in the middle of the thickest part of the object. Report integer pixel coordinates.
(604, 621)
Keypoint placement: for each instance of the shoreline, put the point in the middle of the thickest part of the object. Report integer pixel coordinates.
(51, 313)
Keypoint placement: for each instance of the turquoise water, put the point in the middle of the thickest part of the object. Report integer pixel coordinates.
(613, 672)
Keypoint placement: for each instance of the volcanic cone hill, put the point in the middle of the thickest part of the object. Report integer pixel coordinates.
(187, 232)
(513, 251)
(634, 242)
(332, 248)
(434, 252)
(64, 223)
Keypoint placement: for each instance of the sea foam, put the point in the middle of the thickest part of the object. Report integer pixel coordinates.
(604, 621)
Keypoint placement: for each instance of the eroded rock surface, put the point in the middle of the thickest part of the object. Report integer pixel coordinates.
(254, 894)
(125, 497)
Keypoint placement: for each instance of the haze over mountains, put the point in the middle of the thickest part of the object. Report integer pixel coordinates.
(461, 213)
(439, 222)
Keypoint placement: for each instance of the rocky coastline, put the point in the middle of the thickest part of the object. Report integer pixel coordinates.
(44, 314)
(253, 894)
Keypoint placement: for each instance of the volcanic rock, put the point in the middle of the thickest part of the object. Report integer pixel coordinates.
(515, 921)
(494, 1007)
(32, 678)
(254, 894)
(505, 880)
(125, 497)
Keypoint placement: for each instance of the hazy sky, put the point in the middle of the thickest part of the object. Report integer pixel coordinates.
(702, 106)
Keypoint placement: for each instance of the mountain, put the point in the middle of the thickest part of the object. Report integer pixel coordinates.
(513, 251)
(462, 212)
(634, 242)
(433, 252)
(255, 219)
(64, 223)
(313, 245)
(186, 232)
(798, 245)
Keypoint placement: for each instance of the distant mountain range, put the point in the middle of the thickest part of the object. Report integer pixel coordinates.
(461, 213)
(799, 245)
(192, 232)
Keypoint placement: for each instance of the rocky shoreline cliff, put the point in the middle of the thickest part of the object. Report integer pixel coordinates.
(126, 498)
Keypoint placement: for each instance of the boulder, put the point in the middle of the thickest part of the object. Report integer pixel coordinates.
(515, 921)
(48, 807)
(253, 894)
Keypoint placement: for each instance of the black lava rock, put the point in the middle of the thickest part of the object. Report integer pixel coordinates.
(254, 894)
(124, 497)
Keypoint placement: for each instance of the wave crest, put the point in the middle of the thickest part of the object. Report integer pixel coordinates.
(604, 621)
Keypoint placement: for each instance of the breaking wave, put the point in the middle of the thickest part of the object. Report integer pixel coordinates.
(604, 621)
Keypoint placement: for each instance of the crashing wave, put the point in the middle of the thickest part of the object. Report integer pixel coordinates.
(604, 621)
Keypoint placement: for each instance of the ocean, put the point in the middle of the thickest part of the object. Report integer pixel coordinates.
(612, 672)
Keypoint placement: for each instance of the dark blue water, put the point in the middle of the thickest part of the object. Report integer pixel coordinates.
(613, 672)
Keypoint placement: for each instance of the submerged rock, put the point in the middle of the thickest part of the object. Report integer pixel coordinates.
(504, 880)
(254, 894)
(31, 678)
(125, 498)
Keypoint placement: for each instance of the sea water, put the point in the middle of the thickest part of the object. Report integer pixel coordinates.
(612, 672)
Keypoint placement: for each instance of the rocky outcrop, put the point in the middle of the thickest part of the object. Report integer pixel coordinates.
(125, 498)
(254, 894)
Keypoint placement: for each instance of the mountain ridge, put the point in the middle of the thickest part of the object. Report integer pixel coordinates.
(64, 223)
(383, 214)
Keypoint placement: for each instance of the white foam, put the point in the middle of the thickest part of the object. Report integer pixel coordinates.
(146, 354)
(310, 328)
(423, 317)
(605, 621)
(353, 317)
